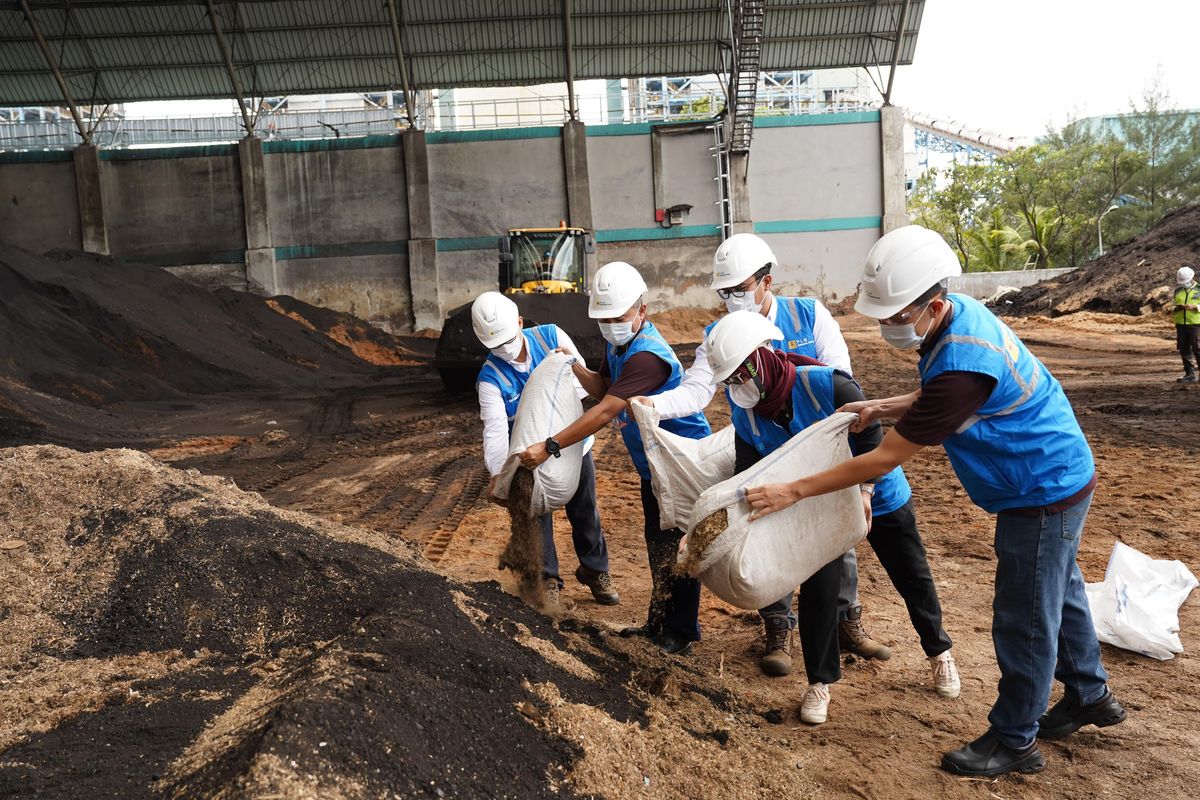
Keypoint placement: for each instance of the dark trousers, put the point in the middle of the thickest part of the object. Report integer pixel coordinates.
(897, 542)
(1187, 339)
(682, 611)
(586, 535)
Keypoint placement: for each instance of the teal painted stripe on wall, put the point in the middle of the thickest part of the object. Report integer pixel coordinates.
(36, 157)
(649, 234)
(496, 135)
(817, 225)
(797, 120)
(288, 252)
(325, 145)
(151, 153)
(458, 244)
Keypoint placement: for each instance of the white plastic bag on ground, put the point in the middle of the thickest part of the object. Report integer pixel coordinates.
(1136, 606)
(549, 403)
(751, 564)
(682, 468)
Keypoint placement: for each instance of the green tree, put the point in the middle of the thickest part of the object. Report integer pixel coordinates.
(951, 208)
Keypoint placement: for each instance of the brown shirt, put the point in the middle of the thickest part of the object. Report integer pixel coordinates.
(642, 374)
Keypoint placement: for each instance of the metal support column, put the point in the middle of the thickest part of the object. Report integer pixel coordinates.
(569, 54)
(409, 100)
(84, 133)
(887, 94)
(227, 54)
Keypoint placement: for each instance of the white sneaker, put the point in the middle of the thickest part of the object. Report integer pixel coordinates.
(815, 708)
(945, 675)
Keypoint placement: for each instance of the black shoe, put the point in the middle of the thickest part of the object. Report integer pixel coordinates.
(672, 643)
(1067, 716)
(988, 756)
(1189, 378)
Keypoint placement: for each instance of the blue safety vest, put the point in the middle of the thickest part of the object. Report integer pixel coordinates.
(540, 341)
(812, 401)
(693, 426)
(795, 317)
(1023, 447)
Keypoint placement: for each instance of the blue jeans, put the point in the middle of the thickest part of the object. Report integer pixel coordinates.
(1041, 623)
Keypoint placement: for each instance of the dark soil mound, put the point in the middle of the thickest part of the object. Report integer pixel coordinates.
(1133, 278)
(166, 635)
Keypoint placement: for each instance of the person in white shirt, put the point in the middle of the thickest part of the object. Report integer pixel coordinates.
(742, 279)
(515, 353)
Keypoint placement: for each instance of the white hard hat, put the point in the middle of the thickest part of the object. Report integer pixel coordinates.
(901, 267)
(495, 319)
(735, 336)
(739, 257)
(615, 288)
(1185, 274)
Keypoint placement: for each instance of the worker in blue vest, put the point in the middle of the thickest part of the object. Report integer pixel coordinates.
(1014, 443)
(743, 281)
(638, 362)
(1186, 316)
(776, 395)
(515, 354)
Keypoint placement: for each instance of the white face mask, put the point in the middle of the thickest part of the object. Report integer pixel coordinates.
(747, 302)
(618, 333)
(904, 337)
(745, 395)
(510, 351)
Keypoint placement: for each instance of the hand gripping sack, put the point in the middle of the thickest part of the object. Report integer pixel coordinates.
(549, 403)
(751, 564)
(682, 468)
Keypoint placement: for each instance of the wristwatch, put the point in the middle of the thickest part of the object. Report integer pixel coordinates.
(867, 488)
(552, 447)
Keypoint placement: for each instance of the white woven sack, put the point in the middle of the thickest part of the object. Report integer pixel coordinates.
(752, 564)
(549, 403)
(682, 468)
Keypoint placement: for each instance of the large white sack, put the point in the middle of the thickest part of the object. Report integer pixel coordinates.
(548, 404)
(682, 468)
(1136, 606)
(752, 564)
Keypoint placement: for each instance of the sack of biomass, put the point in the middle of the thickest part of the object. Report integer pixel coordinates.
(682, 468)
(549, 403)
(750, 564)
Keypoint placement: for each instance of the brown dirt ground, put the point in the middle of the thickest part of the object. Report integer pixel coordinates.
(402, 458)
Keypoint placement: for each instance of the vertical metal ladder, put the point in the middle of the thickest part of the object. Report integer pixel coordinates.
(724, 201)
(748, 25)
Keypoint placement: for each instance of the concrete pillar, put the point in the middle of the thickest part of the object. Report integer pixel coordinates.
(92, 230)
(891, 140)
(424, 297)
(739, 192)
(575, 168)
(262, 273)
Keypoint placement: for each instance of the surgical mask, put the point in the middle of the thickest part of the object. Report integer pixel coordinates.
(745, 395)
(904, 337)
(747, 302)
(616, 333)
(509, 351)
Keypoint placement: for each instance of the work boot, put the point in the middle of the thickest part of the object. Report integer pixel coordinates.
(1189, 378)
(852, 638)
(814, 709)
(945, 675)
(553, 592)
(777, 647)
(671, 642)
(987, 756)
(601, 584)
(1067, 716)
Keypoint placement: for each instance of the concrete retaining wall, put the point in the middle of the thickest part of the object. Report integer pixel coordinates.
(985, 284)
(330, 221)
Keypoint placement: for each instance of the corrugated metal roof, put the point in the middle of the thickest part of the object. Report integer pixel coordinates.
(125, 50)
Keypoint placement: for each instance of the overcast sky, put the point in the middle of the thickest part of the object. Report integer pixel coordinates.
(1012, 66)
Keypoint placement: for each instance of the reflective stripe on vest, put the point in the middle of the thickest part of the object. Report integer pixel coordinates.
(1187, 297)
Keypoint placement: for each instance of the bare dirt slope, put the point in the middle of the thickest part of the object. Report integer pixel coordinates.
(1135, 277)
